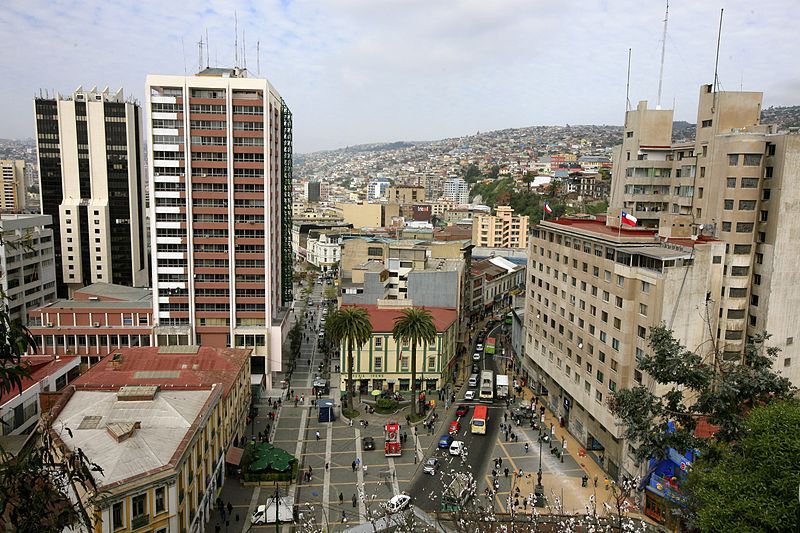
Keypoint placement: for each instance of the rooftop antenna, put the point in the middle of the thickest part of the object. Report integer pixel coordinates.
(208, 55)
(628, 84)
(235, 39)
(244, 47)
(200, 56)
(183, 49)
(258, 57)
(716, 62)
(663, 52)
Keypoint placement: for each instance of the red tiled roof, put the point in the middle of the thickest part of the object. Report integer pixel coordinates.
(39, 367)
(383, 319)
(705, 429)
(206, 367)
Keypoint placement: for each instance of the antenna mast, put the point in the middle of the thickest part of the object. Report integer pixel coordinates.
(716, 62)
(663, 52)
(200, 54)
(628, 84)
(183, 49)
(208, 54)
(244, 47)
(235, 39)
(258, 57)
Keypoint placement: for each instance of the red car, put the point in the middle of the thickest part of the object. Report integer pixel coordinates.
(455, 427)
(462, 410)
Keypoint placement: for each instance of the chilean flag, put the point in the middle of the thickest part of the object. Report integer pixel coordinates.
(548, 209)
(628, 219)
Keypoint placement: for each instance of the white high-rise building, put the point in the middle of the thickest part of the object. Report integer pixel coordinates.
(93, 186)
(456, 190)
(220, 162)
(12, 183)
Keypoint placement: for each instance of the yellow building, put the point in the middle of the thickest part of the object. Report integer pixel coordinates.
(364, 215)
(503, 230)
(383, 363)
(160, 422)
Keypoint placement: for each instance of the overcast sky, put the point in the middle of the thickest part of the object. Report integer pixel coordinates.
(359, 71)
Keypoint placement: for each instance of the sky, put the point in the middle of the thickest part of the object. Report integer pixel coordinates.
(363, 71)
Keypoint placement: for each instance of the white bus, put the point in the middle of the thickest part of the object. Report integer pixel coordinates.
(487, 385)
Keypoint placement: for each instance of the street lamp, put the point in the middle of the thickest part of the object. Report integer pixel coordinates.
(539, 489)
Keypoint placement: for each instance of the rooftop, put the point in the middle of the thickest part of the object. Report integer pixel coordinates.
(382, 320)
(624, 235)
(119, 293)
(130, 438)
(39, 368)
(198, 367)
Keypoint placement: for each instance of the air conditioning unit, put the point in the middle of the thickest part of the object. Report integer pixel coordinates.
(97, 324)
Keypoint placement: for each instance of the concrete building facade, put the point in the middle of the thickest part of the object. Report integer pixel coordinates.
(12, 185)
(456, 190)
(220, 161)
(593, 292)
(737, 181)
(27, 263)
(92, 184)
(502, 230)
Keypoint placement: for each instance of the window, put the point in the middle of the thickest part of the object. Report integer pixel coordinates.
(770, 149)
(600, 376)
(733, 160)
(641, 332)
(764, 216)
(706, 124)
(404, 364)
(617, 323)
(645, 287)
(744, 227)
(619, 301)
(728, 205)
(620, 281)
(161, 499)
(740, 270)
(139, 504)
(379, 343)
(768, 172)
(378, 364)
(614, 365)
(749, 183)
(752, 160)
(643, 309)
(747, 205)
(598, 396)
(765, 194)
(754, 300)
(731, 183)
(615, 344)
(432, 363)
(118, 515)
(726, 226)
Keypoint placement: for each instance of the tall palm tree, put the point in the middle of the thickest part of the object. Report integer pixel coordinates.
(415, 326)
(350, 325)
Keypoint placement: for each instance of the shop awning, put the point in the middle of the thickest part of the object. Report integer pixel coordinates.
(234, 456)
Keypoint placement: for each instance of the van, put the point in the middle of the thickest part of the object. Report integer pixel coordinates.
(473, 380)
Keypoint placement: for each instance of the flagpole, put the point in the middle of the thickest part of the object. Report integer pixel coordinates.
(619, 225)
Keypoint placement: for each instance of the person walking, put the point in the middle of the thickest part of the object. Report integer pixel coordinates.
(506, 471)
(341, 498)
(526, 447)
(317, 435)
(606, 482)
(354, 469)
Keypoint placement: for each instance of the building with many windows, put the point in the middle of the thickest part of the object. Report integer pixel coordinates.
(737, 181)
(385, 364)
(27, 263)
(456, 190)
(97, 320)
(92, 184)
(592, 293)
(185, 405)
(220, 162)
(13, 191)
(501, 230)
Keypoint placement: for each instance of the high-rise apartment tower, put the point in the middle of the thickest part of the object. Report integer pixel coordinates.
(12, 185)
(93, 186)
(220, 159)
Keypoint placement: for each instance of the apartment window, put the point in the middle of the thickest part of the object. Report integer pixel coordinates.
(378, 364)
(733, 160)
(595, 271)
(606, 296)
(643, 309)
(765, 194)
(603, 336)
(607, 275)
(768, 172)
(762, 236)
(379, 343)
(747, 205)
(614, 365)
(645, 287)
(764, 216)
(628, 134)
(759, 259)
(641, 332)
(637, 376)
(754, 300)
(744, 227)
(740, 270)
(731, 183)
(726, 226)
(404, 364)
(118, 515)
(615, 344)
(749, 183)
(589, 368)
(617, 323)
(431, 363)
(752, 160)
(619, 301)
(702, 172)
(728, 205)
(757, 279)
(604, 316)
(600, 376)
(736, 292)
(789, 341)
(161, 499)
(620, 281)
(598, 396)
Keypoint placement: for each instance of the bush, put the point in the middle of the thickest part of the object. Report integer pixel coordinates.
(350, 413)
(414, 417)
(386, 405)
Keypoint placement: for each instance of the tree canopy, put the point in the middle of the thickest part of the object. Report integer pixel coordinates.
(415, 326)
(350, 325)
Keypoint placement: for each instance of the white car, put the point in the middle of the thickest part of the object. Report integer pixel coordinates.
(259, 515)
(430, 466)
(398, 503)
(476, 356)
(469, 395)
(479, 346)
(456, 447)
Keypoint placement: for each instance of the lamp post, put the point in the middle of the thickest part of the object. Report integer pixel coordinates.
(539, 489)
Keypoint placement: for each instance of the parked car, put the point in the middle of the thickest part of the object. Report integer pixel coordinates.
(479, 346)
(457, 448)
(462, 410)
(368, 443)
(455, 427)
(476, 368)
(259, 515)
(476, 356)
(445, 440)
(430, 466)
(398, 503)
(469, 395)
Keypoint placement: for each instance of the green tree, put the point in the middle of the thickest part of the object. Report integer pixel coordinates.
(720, 392)
(350, 325)
(415, 326)
(751, 485)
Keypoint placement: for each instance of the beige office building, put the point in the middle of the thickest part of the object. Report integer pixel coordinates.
(593, 292)
(12, 182)
(738, 181)
(502, 230)
(405, 194)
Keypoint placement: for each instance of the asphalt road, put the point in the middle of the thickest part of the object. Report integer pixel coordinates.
(425, 488)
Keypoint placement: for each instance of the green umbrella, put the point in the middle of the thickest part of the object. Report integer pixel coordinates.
(376, 392)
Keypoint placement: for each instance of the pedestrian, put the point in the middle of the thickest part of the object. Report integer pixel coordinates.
(327, 466)
(351, 422)
(595, 481)
(354, 469)
(365, 470)
(506, 471)
(355, 502)
(230, 508)
(358, 462)
(526, 447)
(317, 435)
(341, 498)
(606, 482)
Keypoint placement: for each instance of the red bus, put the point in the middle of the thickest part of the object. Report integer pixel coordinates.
(479, 418)
(391, 433)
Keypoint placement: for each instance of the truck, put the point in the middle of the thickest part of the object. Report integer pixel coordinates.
(502, 386)
(490, 346)
(457, 493)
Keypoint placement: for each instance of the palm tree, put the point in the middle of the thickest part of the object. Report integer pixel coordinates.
(350, 325)
(415, 326)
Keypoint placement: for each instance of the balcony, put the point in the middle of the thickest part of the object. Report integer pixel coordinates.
(140, 521)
